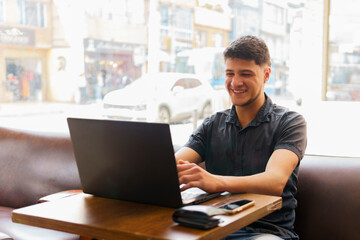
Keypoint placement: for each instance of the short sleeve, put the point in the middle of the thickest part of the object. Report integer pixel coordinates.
(292, 134)
(198, 139)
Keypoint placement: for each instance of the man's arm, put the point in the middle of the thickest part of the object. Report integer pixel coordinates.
(278, 170)
(187, 154)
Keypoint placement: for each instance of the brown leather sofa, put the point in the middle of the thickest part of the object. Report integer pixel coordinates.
(328, 198)
(34, 165)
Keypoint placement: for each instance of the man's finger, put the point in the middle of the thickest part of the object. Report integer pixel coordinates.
(189, 185)
(182, 161)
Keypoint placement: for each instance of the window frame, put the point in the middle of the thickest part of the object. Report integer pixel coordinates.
(326, 28)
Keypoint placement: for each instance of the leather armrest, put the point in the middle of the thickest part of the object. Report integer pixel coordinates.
(58, 195)
(3, 236)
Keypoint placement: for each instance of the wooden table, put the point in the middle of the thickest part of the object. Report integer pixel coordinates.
(103, 218)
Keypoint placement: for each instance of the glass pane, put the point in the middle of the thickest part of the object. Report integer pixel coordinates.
(120, 59)
(344, 51)
(1, 11)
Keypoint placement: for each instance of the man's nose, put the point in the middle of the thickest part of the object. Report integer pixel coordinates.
(237, 81)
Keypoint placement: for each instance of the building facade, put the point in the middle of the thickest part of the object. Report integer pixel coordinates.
(25, 40)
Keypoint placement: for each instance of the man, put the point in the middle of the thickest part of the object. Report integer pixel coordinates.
(256, 146)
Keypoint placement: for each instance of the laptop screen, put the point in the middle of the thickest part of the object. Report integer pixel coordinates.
(131, 161)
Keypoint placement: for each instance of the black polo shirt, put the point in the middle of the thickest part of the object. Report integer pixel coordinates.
(232, 150)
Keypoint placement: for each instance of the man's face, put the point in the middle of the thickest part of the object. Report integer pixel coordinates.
(245, 81)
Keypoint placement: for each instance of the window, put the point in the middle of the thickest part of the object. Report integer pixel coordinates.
(274, 13)
(2, 13)
(180, 83)
(32, 13)
(343, 76)
(118, 11)
(201, 39)
(183, 18)
(176, 28)
(164, 15)
(75, 62)
(193, 83)
(23, 78)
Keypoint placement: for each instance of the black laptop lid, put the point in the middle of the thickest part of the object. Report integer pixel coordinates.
(131, 161)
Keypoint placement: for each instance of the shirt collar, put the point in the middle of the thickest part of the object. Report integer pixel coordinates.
(262, 116)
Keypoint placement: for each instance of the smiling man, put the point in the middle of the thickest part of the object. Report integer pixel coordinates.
(256, 146)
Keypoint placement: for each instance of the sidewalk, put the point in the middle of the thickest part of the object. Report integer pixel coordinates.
(35, 108)
(51, 117)
(26, 109)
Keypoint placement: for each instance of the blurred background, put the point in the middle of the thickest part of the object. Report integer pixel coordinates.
(161, 60)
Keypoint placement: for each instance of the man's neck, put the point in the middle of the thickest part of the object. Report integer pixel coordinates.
(247, 113)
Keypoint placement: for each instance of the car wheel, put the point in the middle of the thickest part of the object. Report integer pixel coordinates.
(207, 110)
(164, 115)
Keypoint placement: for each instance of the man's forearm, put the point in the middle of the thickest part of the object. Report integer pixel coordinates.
(272, 181)
(262, 183)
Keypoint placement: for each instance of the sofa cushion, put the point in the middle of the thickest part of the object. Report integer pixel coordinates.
(34, 165)
(328, 198)
(24, 232)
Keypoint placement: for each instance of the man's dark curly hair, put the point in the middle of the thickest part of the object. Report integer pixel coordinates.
(249, 48)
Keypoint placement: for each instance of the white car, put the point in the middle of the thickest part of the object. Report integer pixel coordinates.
(161, 97)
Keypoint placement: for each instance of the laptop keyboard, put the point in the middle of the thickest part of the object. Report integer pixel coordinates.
(192, 193)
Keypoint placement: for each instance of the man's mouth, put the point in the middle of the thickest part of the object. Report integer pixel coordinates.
(238, 91)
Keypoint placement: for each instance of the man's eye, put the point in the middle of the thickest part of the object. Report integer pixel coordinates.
(229, 74)
(246, 75)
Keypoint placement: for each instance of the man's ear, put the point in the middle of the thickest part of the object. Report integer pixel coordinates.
(267, 74)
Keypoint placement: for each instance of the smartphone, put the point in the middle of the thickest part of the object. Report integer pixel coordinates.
(238, 206)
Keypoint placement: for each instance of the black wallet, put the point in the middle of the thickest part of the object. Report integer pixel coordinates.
(197, 216)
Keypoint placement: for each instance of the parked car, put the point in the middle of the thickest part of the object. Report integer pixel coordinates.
(161, 97)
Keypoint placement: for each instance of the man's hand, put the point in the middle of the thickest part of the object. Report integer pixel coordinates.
(193, 175)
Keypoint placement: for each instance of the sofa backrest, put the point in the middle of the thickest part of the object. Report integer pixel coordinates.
(328, 198)
(34, 165)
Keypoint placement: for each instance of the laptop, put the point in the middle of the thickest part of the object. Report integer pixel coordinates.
(131, 161)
